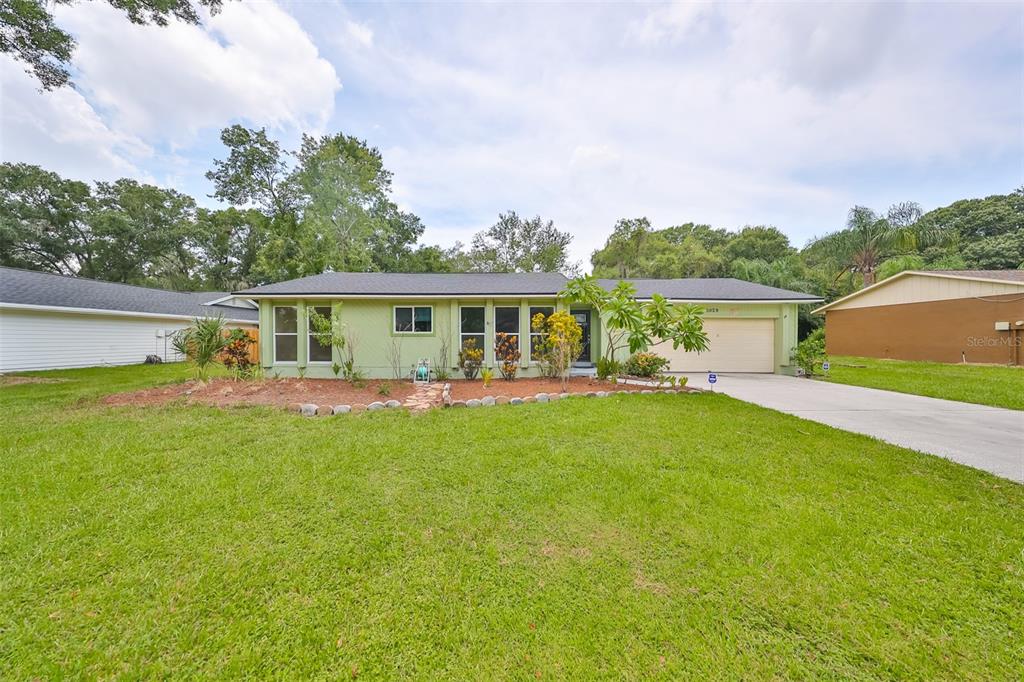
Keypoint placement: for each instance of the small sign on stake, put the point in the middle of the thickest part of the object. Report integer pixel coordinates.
(712, 379)
(825, 365)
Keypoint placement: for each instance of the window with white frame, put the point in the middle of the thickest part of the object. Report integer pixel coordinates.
(506, 321)
(409, 319)
(471, 326)
(536, 337)
(286, 333)
(318, 352)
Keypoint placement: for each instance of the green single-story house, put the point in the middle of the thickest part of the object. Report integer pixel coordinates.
(752, 327)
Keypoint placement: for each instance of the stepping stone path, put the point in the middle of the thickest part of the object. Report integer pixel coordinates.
(425, 397)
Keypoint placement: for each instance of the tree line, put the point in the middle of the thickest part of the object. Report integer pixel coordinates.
(328, 206)
(324, 206)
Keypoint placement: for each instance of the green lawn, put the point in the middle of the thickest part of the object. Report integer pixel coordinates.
(995, 385)
(636, 536)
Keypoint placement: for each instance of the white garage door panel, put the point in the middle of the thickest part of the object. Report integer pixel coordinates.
(736, 345)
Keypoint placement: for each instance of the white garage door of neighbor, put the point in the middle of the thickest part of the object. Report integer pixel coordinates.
(736, 345)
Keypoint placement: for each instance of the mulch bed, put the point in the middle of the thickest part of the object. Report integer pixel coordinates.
(272, 392)
(521, 388)
(466, 390)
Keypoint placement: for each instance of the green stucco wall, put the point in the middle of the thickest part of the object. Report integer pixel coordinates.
(370, 321)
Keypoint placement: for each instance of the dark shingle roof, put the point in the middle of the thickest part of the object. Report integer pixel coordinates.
(511, 284)
(26, 287)
(406, 284)
(711, 289)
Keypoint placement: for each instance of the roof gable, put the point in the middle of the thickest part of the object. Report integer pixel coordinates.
(917, 286)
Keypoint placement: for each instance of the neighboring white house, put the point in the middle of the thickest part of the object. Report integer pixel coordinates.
(52, 321)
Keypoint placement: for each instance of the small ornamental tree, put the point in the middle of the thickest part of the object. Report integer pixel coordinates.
(638, 325)
(327, 331)
(561, 343)
(506, 352)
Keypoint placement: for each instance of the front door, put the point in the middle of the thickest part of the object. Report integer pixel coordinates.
(583, 320)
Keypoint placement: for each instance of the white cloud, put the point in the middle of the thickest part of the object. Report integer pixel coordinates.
(361, 33)
(250, 62)
(145, 93)
(59, 130)
(728, 114)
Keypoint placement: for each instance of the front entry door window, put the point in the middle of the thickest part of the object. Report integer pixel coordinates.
(583, 320)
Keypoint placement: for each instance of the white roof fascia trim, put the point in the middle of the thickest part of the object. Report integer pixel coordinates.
(117, 313)
(406, 297)
(738, 300)
(401, 297)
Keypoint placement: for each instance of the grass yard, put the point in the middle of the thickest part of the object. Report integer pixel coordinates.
(635, 536)
(999, 386)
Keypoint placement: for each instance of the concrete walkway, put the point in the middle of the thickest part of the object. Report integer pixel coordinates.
(988, 438)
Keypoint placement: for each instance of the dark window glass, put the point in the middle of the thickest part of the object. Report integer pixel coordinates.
(473, 321)
(318, 352)
(423, 319)
(285, 347)
(286, 320)
(403, 319)
(506, 320)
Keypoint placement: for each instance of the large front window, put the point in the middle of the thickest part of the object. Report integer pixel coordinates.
(536, 337)
(286, 334)
(417, 319)
(506, 321)
(471, 326)
(318, 352)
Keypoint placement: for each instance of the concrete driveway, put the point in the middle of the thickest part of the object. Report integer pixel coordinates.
(988, 438)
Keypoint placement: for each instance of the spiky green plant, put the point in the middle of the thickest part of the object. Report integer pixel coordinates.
(202, 343)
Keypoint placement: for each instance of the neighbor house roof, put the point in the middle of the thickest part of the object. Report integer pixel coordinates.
(386, 284)
(995, 276)
(42, 290)
(712, 289)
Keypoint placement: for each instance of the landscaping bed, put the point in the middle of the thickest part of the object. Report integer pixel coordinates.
(286, 393)
(521, 388)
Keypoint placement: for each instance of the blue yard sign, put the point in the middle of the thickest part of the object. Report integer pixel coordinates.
(712, 377)
(825, 365)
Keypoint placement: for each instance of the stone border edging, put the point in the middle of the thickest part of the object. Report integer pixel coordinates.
(310, 410)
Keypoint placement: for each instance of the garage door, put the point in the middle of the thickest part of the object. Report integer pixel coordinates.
(736, 345)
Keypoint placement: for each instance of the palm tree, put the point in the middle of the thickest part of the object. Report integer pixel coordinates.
(869, 239)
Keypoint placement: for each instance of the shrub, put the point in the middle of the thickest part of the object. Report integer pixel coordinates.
(810, 353)
(486, 374)
(562, 343)
(506, 352)
(384, 389)
(470, 358)
(608, 368)
(644, 364)
(237, 354)
(202, 343)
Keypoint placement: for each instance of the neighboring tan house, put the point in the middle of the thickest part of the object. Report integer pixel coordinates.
(752, 327)
(52, 321)
(942, 316)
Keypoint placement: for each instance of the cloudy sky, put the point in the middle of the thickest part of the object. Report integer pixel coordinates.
(730, 114)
